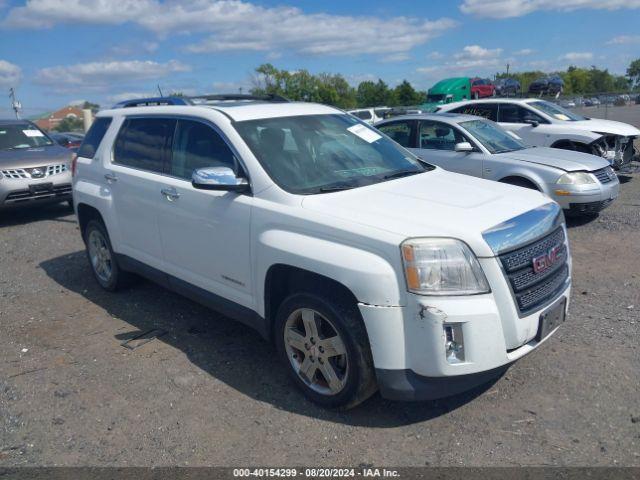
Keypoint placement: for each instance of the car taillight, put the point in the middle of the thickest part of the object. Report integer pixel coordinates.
(74, 162)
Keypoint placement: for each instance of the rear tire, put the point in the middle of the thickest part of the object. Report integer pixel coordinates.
(325, 348)
(102, 259)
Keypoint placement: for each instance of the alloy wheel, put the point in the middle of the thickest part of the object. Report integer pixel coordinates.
(316, 351)
(100, 256)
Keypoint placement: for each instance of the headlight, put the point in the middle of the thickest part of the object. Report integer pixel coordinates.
(576, 178)
(442, 266)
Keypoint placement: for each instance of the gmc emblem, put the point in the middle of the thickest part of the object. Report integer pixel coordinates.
(541, 263)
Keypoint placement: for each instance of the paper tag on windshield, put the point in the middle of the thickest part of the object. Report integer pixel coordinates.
(33, 133)
(364, 133)
(561, 116)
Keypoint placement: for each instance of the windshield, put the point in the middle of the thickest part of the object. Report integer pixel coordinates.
(23, 135)
(556, 111)
(322, 153)
(435, 97)
(492, 137)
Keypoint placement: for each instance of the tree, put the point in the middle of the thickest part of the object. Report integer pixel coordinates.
(633, 72)
(370, 94)
(69, 124)
(404, 94)
(94, 107)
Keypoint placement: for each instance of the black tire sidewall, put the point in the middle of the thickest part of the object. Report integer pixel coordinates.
(354, 353)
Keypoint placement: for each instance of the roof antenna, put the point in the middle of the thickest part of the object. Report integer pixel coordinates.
(160, 91)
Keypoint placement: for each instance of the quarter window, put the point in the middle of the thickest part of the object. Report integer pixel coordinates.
(399, 132)
(484, 110)
(197, 145)
(144, 143)
(94, 136)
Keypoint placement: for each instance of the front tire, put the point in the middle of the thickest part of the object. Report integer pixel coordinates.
(102, 259)
(325, 348)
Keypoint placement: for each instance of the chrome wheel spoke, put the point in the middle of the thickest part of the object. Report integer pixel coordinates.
(295, 340)
(308, 369)
(333, 346)
(309, 321)
(329, 374)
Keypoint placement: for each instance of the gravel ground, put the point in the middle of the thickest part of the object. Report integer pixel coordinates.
(210, 391)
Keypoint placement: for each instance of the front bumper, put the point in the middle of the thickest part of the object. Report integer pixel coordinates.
(17, 192)
(408, 343)
(585, 199)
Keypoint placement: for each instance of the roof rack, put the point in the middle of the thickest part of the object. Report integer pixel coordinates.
(200, 100)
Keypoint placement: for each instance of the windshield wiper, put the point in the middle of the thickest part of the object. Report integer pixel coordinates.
(402, 173)
(336, 188)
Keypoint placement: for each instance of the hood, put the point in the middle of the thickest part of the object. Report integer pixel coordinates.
(436, 203)
(567, 160)
(604, 126)
(34, 157)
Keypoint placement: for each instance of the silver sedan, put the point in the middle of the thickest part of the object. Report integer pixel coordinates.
(581, 183)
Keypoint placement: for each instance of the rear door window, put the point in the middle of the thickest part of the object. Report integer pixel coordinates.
(145, 143)
(439, 136)
(399, 131)
(94, 136)
(484, 110)
(197, 145)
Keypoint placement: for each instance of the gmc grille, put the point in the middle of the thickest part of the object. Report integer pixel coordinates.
(533, 290)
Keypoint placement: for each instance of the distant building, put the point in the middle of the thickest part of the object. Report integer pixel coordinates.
(51, 120)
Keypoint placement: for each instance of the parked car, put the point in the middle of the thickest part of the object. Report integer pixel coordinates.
(367, 267)
(33, 168)
(447, 91)
(567, 103)
(547, 86)
(579, 182)
(546, 124)
(595, 101)
(482, 87)
(67, 139)
(507, 87)
(371, 115)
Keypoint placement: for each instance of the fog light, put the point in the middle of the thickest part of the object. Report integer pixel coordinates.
(453, 343)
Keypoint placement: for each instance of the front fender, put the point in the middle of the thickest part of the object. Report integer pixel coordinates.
(367, 274)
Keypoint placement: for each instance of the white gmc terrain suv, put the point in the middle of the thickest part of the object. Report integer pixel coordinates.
(367, 267)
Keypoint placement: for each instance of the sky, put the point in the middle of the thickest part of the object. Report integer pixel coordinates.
(56, 52)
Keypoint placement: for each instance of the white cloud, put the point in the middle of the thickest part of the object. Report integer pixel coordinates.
(519, 8)
(236, 25)
(100, 75)
(10, 74)
(472, 59)
(524, 52)
(435, 56)
(577, 56)
(625, 40)
(121, 97)
(47, 13)
(396, 57)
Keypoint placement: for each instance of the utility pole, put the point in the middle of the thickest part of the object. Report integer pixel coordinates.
(15, 104)
(508, 69)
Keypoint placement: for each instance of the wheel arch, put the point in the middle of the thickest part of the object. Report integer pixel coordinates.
(519, 178)
(85, 214)
(283, 279)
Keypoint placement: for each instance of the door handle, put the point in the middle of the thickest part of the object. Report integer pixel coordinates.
(487, 169)
(170, 194)
(110, 177)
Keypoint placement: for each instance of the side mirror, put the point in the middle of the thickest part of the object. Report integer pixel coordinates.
(463, 147)
(218, 178)
(531, 121)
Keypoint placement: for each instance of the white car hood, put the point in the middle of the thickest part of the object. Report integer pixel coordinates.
(436, 203)
(604, 126)
(567, 160)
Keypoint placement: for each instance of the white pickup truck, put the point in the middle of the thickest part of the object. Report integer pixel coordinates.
(368, 268)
